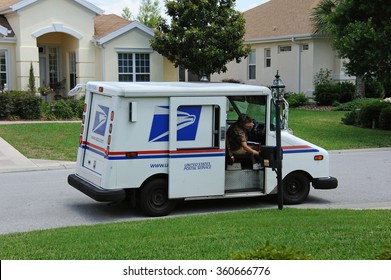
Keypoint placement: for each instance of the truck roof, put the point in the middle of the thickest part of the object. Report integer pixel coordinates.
(152, 89)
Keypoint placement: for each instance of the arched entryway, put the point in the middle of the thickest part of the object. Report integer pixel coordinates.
(57, 62)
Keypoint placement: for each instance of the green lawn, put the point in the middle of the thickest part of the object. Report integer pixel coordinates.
(324, 128)
(323, 234)
(55, 141)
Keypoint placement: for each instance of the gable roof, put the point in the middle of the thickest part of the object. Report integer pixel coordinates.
(7, 6)
(106, 24)
(279, 19)
(116, 26)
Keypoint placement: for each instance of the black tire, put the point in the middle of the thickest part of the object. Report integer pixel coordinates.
(296, 187)
(154, 198)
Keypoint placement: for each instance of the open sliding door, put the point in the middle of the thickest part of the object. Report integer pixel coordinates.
(197, 146)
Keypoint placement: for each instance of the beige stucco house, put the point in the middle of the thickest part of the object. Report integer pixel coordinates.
(281, 37)
(72, 41)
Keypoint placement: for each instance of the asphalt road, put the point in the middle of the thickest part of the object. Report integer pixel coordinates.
(43, 199)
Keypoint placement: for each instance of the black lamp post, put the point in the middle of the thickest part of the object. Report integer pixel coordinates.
(278, 90)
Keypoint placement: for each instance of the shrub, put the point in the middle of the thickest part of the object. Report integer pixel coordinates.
(329, 94)
(5, 105)
(63, 110)
(322, 77)
(370, 113)
(296, 99)
(26, 105)
(354, 104)
(77, 106)
(270, 252)
(326, 94)
(385, 118)
(351, 118)
(346, 92)
(46, 112)
(373, 89)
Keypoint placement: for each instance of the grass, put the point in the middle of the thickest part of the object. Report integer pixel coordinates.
(323, 234)
(53, 141)
(325, 129)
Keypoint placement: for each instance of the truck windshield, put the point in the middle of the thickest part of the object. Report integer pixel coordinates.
(254, 106)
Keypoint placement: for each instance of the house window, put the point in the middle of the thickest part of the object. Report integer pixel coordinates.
(305, 47)
(134, 67)
(268, 58)
(3, 69)
(252, 65)
(285, 48)
(53, 67)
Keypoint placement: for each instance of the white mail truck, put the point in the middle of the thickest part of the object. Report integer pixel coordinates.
(153, 144)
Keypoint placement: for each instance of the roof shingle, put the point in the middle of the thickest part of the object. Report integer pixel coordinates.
(278, 18)
(106, 24)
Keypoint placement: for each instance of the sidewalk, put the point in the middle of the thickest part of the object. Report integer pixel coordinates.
(12, 160)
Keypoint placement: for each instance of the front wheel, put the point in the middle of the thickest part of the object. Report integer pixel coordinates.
(154, 198)
(296, 187)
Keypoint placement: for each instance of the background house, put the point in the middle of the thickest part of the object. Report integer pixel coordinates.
(281, 37)
(70, 42)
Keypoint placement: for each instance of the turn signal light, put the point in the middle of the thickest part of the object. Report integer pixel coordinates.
(318, 157)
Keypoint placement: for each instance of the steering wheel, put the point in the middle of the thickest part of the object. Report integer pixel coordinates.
(257, 133)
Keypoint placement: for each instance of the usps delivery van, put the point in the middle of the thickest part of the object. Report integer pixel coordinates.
(152, 144)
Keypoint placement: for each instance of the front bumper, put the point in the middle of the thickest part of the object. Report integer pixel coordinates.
(100, 195)
(325, 183)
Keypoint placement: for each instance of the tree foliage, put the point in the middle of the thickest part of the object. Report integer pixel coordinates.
(149, 13)
(31, 84)
(361, 30)
(203, 35)
(126, 13)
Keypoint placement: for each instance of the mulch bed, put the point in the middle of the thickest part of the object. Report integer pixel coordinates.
(316, 108)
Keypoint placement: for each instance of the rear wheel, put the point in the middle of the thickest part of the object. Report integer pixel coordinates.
(154, 198)
(296, 187)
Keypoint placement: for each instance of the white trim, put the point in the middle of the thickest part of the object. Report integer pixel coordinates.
(8, 69)
(280, 38)
(85, 4)
(7, 40)
(57, 27)
(22, 4)
(3, 31)
(126, 28)
(134, 50)
(90, 6)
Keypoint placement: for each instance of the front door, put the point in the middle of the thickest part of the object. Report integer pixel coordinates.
(49, 68)
(196, 146)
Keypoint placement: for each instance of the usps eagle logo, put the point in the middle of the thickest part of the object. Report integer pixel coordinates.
(187, 123)
(100, 121)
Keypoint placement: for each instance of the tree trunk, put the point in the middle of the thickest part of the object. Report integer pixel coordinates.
(360, 87)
